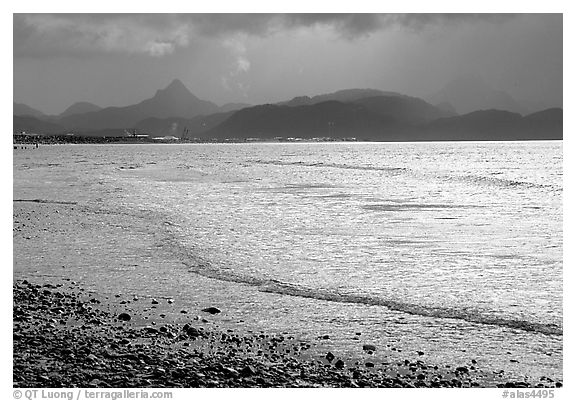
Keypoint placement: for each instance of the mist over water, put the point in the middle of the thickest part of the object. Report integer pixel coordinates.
(464, 237)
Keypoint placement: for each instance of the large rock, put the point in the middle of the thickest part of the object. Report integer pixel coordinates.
(151, 330)
(462, 369)
(193, 332)
(248, 371)
(330, 356)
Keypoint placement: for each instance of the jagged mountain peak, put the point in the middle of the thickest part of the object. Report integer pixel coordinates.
(176, 84)
(175, 88)
(175, 100)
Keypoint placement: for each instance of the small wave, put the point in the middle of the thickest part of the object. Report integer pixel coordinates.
(470, 178)
(309, 186)
(336, 196)
(274, 286)
(297, 187)
(413, 206)
(334, 165)
(500, 182)
(46, 201)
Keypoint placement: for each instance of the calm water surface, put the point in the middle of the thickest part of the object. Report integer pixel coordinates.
(454, 248)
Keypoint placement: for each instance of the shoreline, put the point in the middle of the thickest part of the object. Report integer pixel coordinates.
(21, 141)
(220, 354)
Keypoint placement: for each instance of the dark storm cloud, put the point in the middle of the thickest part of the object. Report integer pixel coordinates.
(352, 26)
(162, 34)
(347, 25)
(120, 59)
(268, 24)
(81, 34)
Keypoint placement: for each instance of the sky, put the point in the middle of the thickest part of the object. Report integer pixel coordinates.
(122, 59)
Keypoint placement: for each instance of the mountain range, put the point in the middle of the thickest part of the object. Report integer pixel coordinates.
(20, 109)
(469, 93)
(174, 100)
(366, 114)
(79, 108)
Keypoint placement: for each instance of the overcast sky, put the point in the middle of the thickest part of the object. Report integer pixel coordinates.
(121, 59)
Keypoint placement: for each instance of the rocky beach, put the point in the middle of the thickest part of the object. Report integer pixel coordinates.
(66, 337)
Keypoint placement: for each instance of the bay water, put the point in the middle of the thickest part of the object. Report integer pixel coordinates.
(451, 249)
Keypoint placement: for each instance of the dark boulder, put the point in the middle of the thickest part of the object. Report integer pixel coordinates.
(212, 310)
(247, 371)
(124, 317)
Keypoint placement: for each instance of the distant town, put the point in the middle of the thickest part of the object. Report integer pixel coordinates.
(23, 138)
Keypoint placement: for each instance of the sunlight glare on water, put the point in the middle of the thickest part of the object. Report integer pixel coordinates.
(457, 232)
